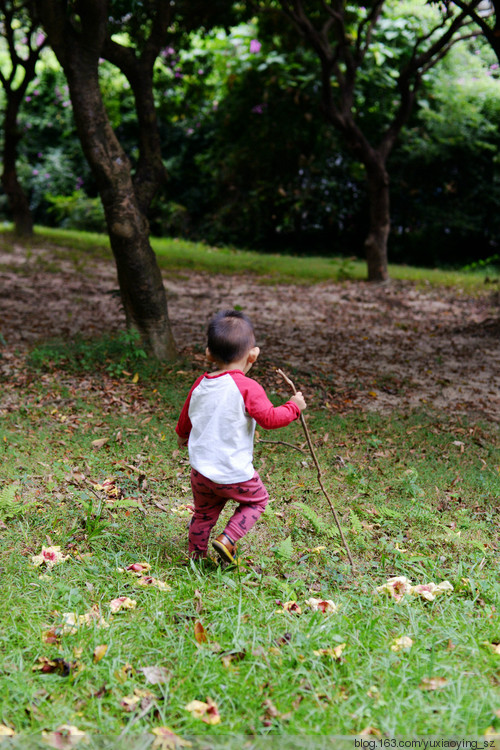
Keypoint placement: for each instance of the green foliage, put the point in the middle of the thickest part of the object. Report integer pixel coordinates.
(76, 211)
(249, 157)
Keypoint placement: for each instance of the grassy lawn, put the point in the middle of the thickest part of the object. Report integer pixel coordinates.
(90, 464)
(417, 495)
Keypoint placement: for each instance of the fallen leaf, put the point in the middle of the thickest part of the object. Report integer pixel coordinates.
(396, 587)
(52, 636)
(124, 672)
(155, 582)
(167, 740)
(282, 639)
(156, 675)
(65, 736)
(400, 586)
(129, 702)
(54, 666)
(292, 607)
(99, 652)
(322, 605)
(491, 732)
(207, 712)
(138, 568)
(271, 712)
(71, 621)
(49, 556)
(99, 442)
(335, 652)
(227, 657)
(433, 683)
(122, 602)
(200, 633)
(6, 731)
(370, 732)
(401, 644)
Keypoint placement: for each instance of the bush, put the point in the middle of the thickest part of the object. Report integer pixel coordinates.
(77, 211)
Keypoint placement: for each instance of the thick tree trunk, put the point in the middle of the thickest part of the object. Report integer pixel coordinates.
(380, 221)
(141, 286)
(18, 200)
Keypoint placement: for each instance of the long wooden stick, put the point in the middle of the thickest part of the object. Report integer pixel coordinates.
(318, 468)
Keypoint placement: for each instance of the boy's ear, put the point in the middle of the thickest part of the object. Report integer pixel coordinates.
(209, 355)
(253, 354)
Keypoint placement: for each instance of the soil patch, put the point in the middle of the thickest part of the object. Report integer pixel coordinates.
(386, 347)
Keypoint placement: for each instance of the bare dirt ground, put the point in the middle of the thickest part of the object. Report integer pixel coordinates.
(387, 347)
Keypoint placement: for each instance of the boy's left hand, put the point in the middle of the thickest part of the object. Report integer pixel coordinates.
(182, 442)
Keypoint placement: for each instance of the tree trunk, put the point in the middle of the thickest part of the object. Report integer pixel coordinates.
(380, 221)
(18, 201)
(141, 285)
(377, 184)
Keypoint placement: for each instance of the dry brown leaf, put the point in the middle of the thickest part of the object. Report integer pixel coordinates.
(370, 732)
(99, 652)
(200, 633)
(99, 442)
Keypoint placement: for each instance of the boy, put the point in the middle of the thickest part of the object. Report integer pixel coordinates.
(217, 423)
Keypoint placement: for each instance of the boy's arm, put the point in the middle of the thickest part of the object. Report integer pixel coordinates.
(262, 410)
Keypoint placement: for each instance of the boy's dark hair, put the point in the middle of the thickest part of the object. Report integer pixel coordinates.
(230, 336)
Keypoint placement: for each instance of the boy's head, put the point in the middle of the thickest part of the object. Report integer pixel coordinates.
(231, 338)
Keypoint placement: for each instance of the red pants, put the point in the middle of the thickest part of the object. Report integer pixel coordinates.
(209, 500)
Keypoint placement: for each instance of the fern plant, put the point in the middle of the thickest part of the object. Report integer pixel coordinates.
(284, 550)
(9, 506)
(316, 522)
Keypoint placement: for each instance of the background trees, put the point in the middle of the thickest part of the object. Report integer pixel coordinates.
(24, 43)
(233, 116)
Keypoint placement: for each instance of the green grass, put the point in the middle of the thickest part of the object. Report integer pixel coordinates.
(411, 502)
(177, 255)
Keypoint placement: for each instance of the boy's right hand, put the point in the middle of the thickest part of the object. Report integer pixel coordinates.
(298, 399)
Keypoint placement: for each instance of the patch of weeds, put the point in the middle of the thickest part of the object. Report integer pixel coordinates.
(118, 355)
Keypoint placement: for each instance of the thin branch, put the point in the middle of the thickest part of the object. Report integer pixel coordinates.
(318, 469)
(282, 442)
(370, 20)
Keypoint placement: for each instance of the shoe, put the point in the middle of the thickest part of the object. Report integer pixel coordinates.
(225, 548)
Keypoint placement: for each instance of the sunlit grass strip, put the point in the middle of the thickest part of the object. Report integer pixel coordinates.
(182, 255)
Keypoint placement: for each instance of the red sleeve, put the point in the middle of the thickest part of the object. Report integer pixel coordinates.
(183, 427)
(261, 409)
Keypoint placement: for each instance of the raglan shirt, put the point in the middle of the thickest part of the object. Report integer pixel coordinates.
(219, 418)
